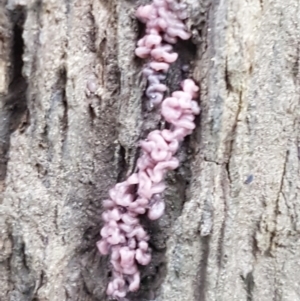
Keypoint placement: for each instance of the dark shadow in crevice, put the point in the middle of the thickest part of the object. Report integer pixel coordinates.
(200, 283)
(14, 111)
(182, 68)
(21, 276)
(122, 164)
(61, 93)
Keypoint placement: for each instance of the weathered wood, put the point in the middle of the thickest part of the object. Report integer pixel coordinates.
(72, 112)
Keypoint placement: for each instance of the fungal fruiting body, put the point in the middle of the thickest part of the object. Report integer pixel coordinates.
(164, 25)
(123, 236)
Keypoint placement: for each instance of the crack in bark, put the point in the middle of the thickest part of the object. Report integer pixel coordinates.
(229, 87)
(249, 283)
(15, 104)
(40, 284)
(64, 121)
(121, 163)
(201, 286)
(261, 2)
(276, 211)
(21, 276)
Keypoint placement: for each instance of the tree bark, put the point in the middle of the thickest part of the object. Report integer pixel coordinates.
(72, 112)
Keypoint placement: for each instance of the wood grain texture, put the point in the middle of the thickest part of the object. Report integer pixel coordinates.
(72, 112)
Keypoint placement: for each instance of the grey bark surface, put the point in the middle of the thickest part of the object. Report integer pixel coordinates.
(72, 112)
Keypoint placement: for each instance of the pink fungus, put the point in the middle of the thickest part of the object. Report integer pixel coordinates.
(156, 211)
(159, 66)
(103, 247)
(135, 282)
(142, 52)
(161, 55)
(141, 193)
(122, 230)
(141, 257)
(163, 20)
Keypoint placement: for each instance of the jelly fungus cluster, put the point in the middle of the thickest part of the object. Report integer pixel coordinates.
(123, 236)
(164, 25)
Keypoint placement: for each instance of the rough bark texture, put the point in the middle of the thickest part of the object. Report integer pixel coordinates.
(71, 114)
